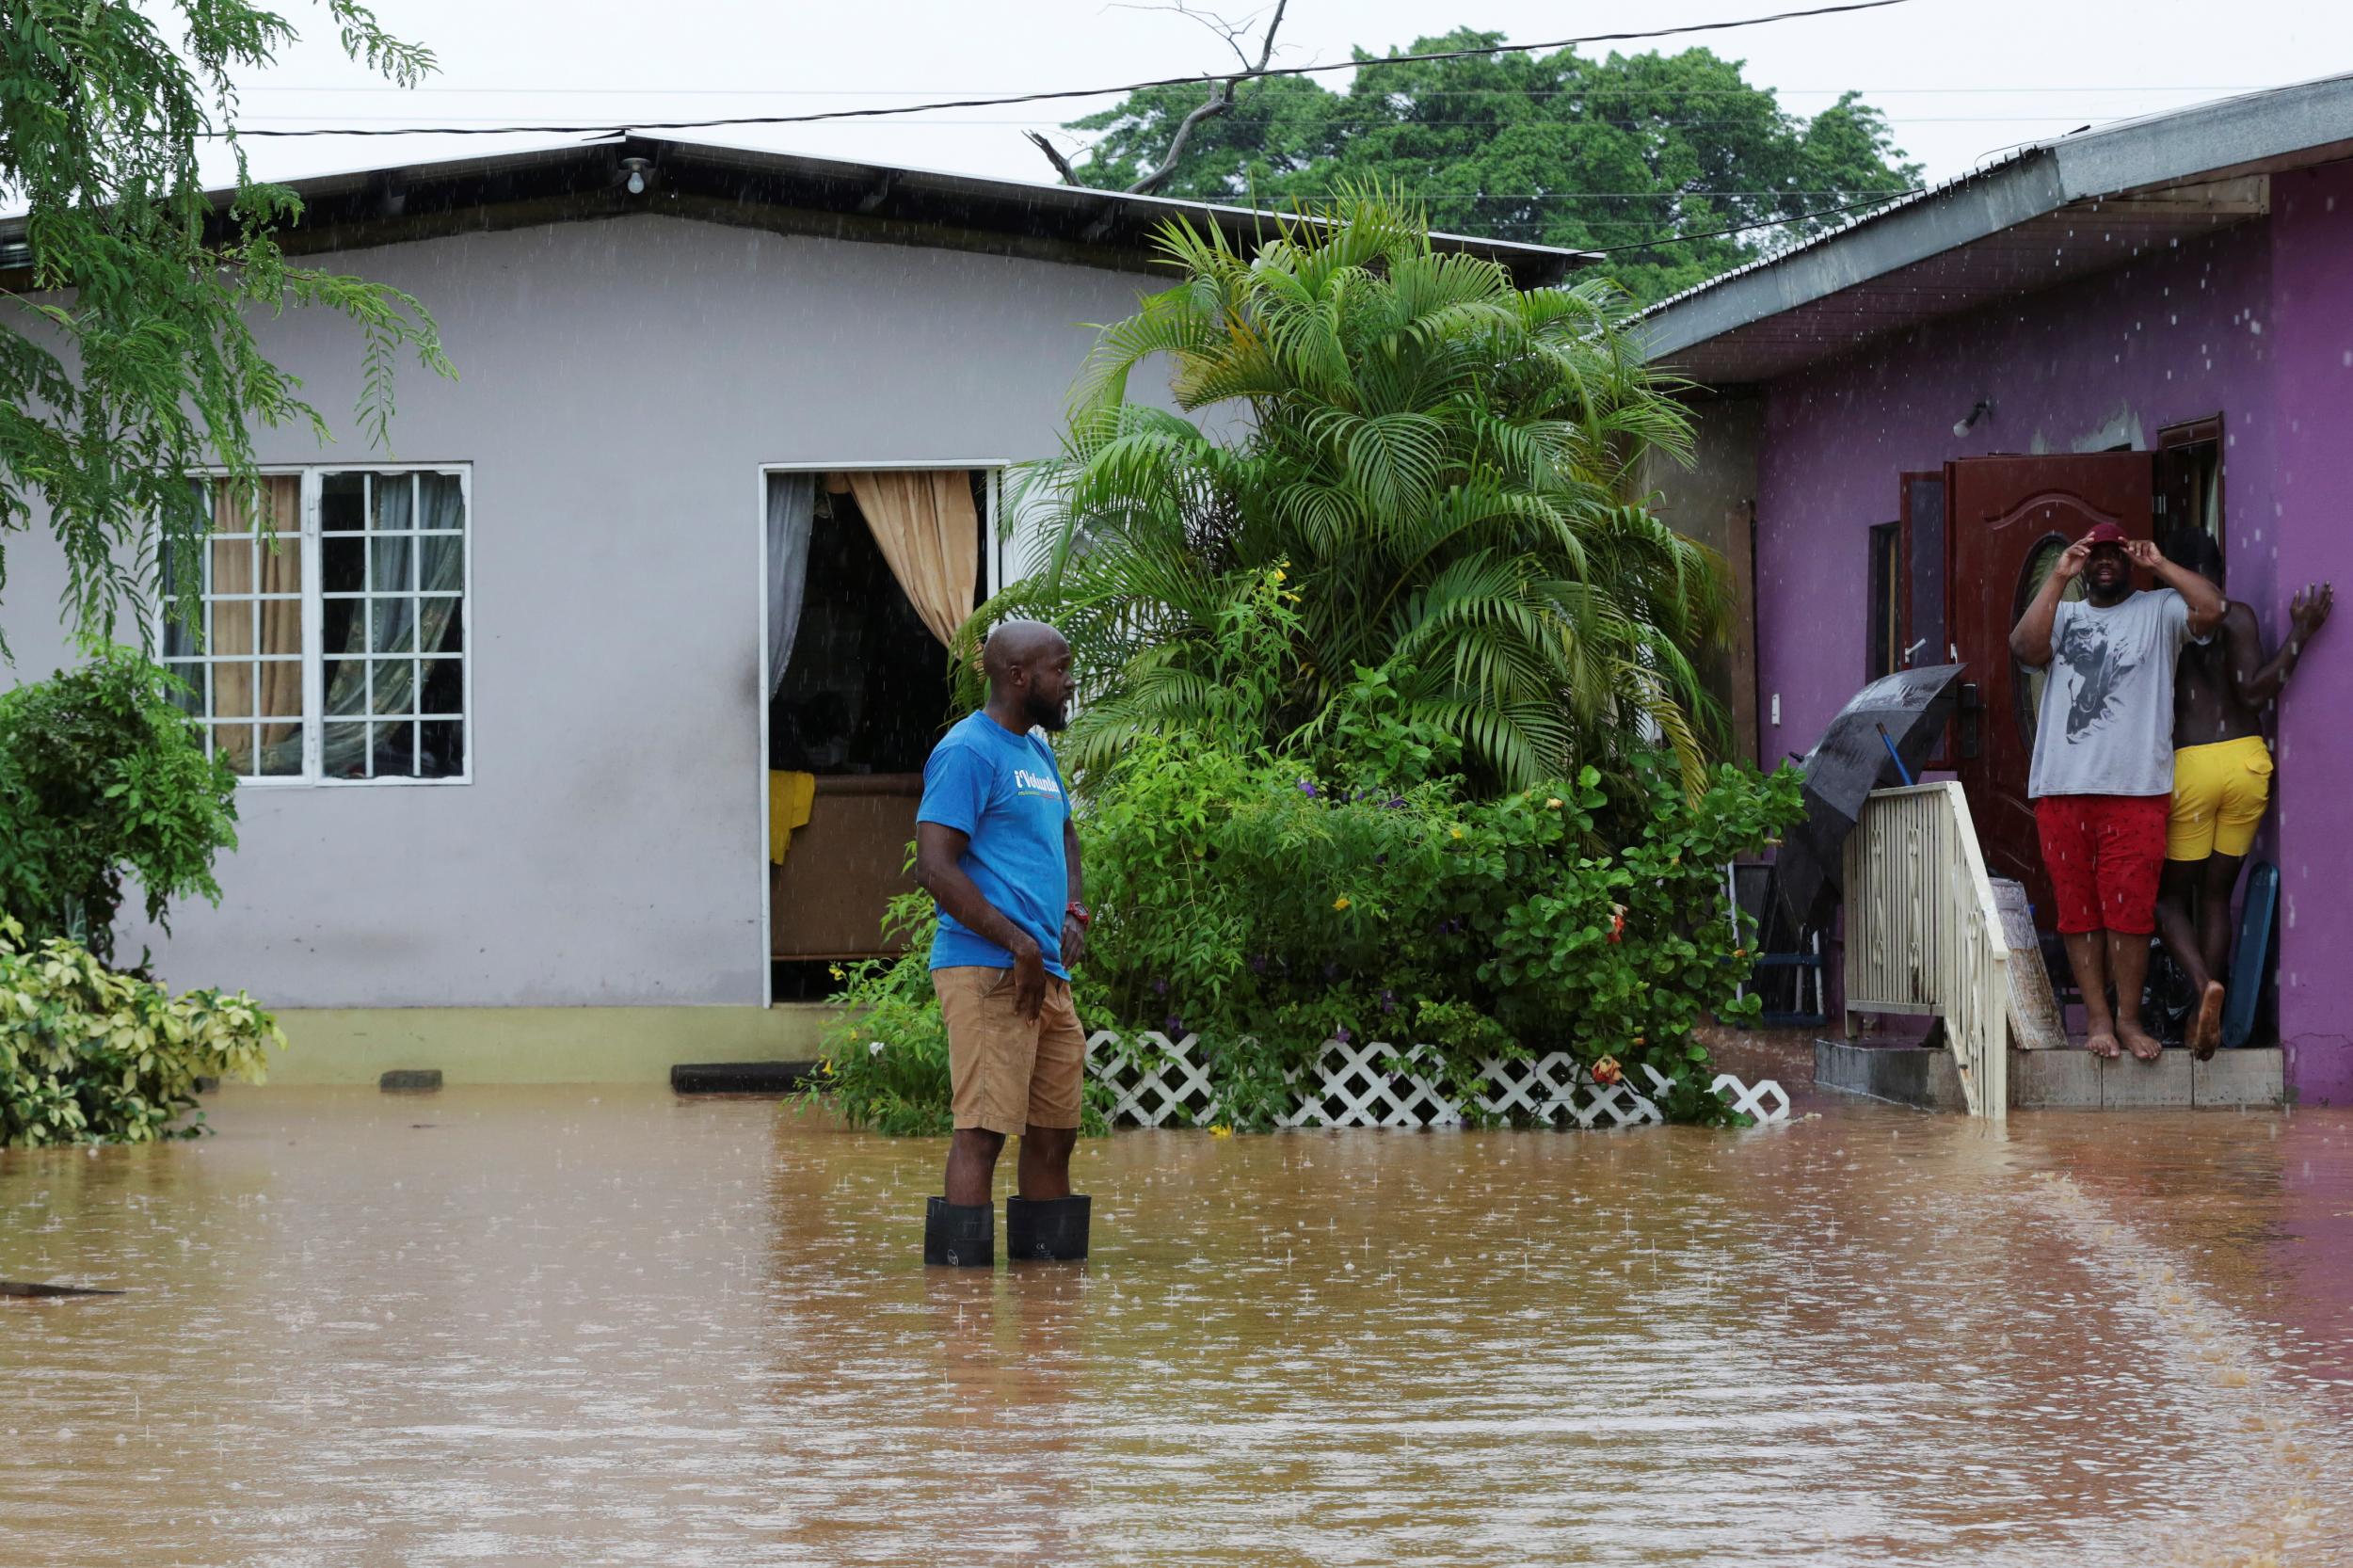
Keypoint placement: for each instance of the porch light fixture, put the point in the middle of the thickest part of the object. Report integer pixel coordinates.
(1963, 426)
(636, 174)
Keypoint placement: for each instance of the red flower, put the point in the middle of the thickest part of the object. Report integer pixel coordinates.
(1607, 1071)
(1617, 922)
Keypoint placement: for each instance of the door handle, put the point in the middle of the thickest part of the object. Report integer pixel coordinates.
(1972, 706)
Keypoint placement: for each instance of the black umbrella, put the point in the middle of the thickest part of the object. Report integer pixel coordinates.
(1879, 738)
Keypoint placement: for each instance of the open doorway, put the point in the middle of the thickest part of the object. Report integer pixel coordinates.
(860, 688)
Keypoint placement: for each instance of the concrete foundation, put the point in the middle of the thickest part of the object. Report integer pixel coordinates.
(1907, 1073)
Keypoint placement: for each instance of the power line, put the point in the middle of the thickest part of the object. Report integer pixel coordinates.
(1199, 80)
(494, 125)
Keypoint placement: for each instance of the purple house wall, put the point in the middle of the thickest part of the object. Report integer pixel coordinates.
(2255, 323)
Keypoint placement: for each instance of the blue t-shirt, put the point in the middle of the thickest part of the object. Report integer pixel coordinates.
(1004, 793)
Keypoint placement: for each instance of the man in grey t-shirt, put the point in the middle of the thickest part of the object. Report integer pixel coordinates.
(2102, 779)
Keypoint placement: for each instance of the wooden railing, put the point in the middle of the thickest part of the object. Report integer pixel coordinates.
(1923, 934)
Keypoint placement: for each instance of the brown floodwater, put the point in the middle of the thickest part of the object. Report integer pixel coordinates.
(609, 1326)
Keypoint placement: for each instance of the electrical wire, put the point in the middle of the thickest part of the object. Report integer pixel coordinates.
(1200, 80)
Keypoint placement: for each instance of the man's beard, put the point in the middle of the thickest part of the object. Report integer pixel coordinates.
(1052, 717)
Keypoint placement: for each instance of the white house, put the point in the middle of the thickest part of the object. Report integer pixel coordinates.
(510, 708)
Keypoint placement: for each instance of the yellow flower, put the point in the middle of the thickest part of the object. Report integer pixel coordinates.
(826, 1067)
(1221, 1130)
(1552, 803)
(1282, 576)
(1293, 598)
(1457, 832)
(1340, 903)
(838, 972)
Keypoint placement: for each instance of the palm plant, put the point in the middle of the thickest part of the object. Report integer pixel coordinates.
(1438, 461)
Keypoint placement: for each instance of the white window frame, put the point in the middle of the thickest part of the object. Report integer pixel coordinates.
(315, 620)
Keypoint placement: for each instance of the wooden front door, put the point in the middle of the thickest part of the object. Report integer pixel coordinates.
(2008, 519)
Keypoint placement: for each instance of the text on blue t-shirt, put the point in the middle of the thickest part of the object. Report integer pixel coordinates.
(1004, 793)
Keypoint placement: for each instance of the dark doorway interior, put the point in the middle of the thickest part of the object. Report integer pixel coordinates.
(864, 698)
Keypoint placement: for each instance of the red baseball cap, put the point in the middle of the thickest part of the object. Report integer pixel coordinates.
(2102, 533)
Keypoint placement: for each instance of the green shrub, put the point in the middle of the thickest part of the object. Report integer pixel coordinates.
(102, 777)
(90, 1056)
(1268, 898)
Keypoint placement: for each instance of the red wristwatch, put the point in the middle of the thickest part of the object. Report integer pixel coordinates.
(1074, 908)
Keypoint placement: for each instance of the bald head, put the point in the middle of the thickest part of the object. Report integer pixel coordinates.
(1028, 665)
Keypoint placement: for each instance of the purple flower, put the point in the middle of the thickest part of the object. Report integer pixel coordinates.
(1258, 962)
(1340, 1034)
(1397, 803)
(1172, 1025)
(1308, 788)
(1160, 987)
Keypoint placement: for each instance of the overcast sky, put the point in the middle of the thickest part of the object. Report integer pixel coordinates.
(1959, 78)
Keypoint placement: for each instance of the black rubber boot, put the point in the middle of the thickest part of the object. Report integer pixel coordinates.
(960, 1235)
(1050, 1228)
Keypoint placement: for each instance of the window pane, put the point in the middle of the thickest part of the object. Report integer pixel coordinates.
(442, 621)
(232, 690)
(343, 750)
(233, 566)
(281, 563)
(390, 501)
(392, 626)
(441, 501)
(345, 681)
(190, 701)
(234, 745)
(281, 692)
(232, 628)
(389, 565)
(343, 565)
(444, 689)
(281, 751)
(183, 629)
(396, 684)
(443, 749)
(342, 503)
(396, 750)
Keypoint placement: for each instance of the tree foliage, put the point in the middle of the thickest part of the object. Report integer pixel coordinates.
(1626, 151)
(126, 353)
(1437, 464)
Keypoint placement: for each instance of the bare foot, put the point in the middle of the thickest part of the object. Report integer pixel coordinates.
(2205, 1029)
(2139, 1041)
(2101, 1043)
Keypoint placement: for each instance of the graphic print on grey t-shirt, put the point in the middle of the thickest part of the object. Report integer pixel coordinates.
(2105, 723)
(2100, 668)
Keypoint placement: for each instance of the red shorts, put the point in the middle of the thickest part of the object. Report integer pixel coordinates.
(2105, 853)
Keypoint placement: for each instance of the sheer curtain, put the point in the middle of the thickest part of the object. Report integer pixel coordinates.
(416, 582)
(924, 521)
(791, 503)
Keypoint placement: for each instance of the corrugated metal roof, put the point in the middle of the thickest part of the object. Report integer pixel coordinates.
(839, 198)
(2045, 213)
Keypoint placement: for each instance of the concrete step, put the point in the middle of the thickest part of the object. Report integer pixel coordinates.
(1907, 1073)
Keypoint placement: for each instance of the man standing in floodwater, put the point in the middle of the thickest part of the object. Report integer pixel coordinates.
(996, 848)
(2102, 779)
(2221, 778)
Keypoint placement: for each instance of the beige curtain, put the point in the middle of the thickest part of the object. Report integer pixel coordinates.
(924, 521)
(259, 565)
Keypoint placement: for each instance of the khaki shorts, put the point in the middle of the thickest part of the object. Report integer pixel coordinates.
(1008, 1072)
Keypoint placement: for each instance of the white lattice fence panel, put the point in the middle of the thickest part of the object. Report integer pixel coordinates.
(1157, 1084)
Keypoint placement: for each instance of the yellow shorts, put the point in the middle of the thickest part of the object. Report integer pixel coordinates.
(1006, 1072)
(2220, 792)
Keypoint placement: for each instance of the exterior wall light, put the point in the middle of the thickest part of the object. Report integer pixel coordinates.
(1967, 423)
(636, 175)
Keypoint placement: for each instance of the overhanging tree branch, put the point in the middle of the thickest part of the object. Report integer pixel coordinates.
(1220, 97)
